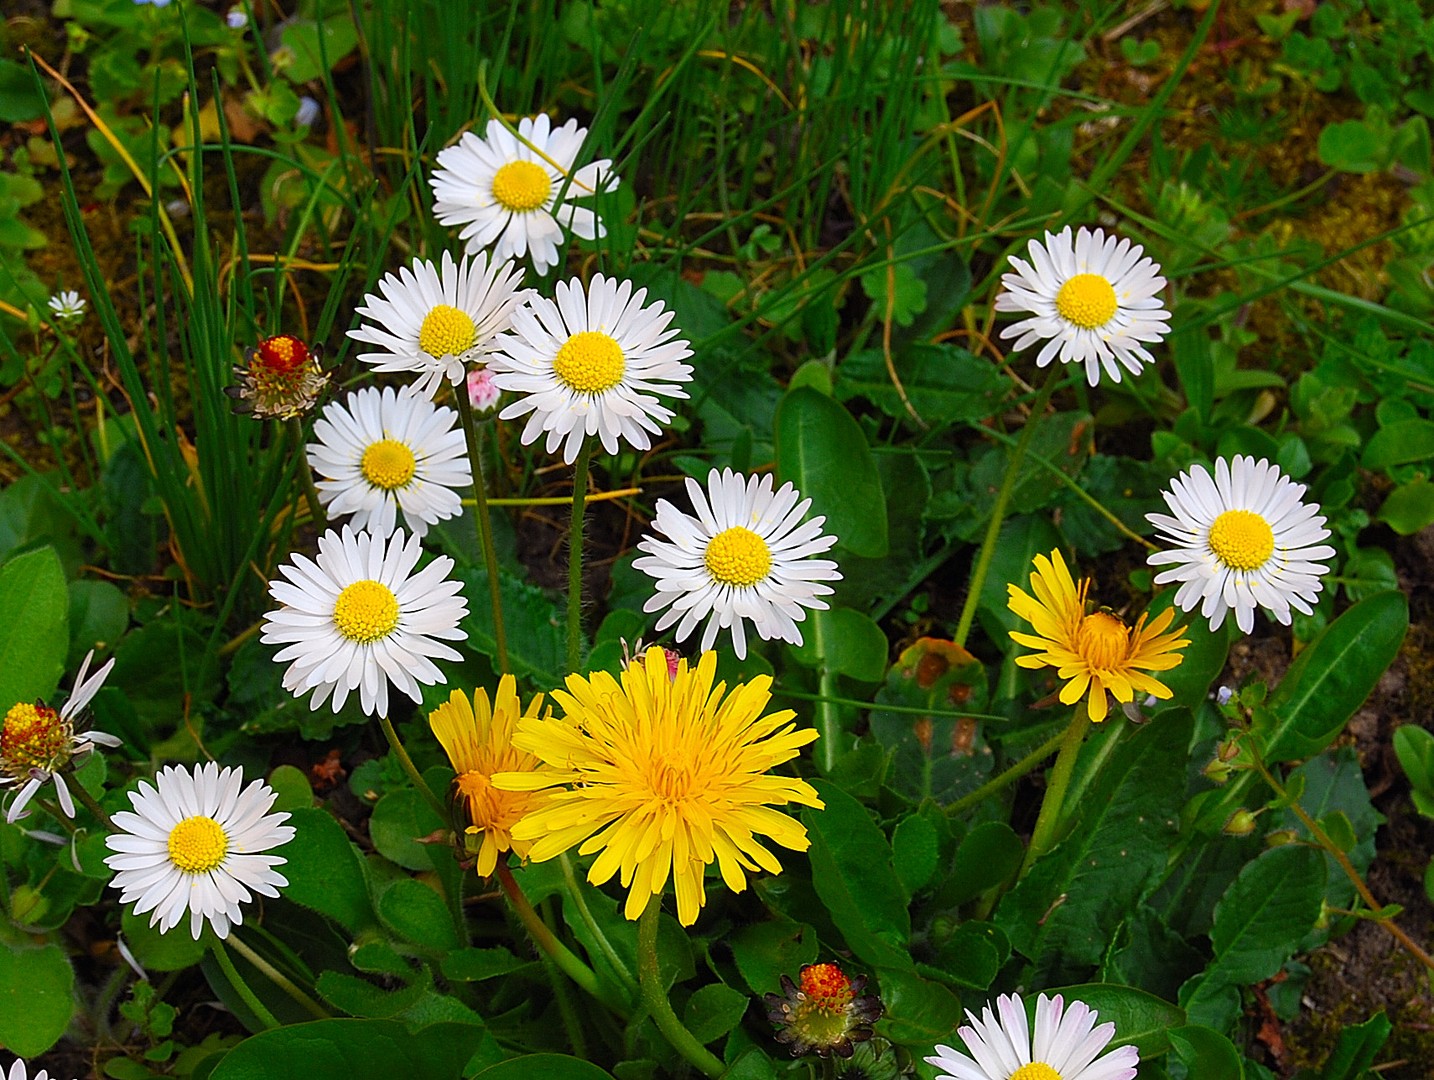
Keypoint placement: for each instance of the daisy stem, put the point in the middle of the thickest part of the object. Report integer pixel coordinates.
(88, 801)
(654, 996)
(273, 974)
(410, 769)
(1015, 772)
(544, 938)
(998, 512)
(1044, 834)
(311, 493)
(575, 558)
(250, 999)
(485, 525)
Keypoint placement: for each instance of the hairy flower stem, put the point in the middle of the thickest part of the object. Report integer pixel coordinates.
(654, 996)
(251, 1000)
(88, 801)
(278, 978)
(998, 512)
(575, 558)
(485, 525)
(311, 493)
(410, 769)
(1044, 834)
(566, 960)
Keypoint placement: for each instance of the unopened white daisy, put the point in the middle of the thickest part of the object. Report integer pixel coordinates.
(1245, 540)
(382, 451)
(589, 364)
(36, 742)
(1092, 301)
(432, 320)
(745, 556)
(1065, 1046)
(67, 305)
(196, 843)
(358, 618)
(516, 195)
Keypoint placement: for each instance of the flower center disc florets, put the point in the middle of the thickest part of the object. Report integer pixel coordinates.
(1103, 640)
(738, 556)
(33, 737)
(197, 845)
(446, 331)
(388, 464)
(1088, 300)
(1242, 539)
(522, 186)
(590, 362)
(826, 986)
(1036, 1070)
(280, 355)
(366, 611)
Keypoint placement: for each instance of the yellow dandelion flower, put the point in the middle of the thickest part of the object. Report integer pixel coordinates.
(1095, 651)
(667, 776)
(479, 742)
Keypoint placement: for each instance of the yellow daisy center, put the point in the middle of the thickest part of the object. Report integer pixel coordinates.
(33, 737)
(1102, 640)
(738, 556)
(1242, 539)
(446, 331)
(366, 611)
(1036, 1070)
(388, 464)
(590, 362)
(522, 186)
(198, 844)
(671, 777)
(1088, 300)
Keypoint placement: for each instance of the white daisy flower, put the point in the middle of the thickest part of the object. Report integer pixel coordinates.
(590, 364)
(18, 1071)
(358, 618)
(67, 305)
(36, 742)
(505, 193)
(1093, 302)
(1245, 541)
(382, 451)
(432, 321)
(1065, 1048)
(746, 555)
(195, 844)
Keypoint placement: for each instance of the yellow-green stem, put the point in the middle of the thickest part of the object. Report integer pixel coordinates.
(87, 800)
(485, 525)
(251, 1000)
(544, 938)
(410, 769)
(998, 512)
(575, 558)
(654, 996)
(311, 493)
(1044, 834)
(575, 893)
(278, 978)
(1010, 775)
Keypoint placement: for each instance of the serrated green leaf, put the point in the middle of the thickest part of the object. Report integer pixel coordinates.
(945, 384)
(324, 870)
(418, 914)
(823, 451)
(914, 849)
(845, 642)
(475, 965)
(34, 626)
(537, 647)
(359, 997)
(1141, 1020)
(712, 1011)
(36, 998)
(766, 951)
(1398, 443)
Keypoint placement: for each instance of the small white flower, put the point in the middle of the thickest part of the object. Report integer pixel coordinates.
(36, 742)
(68, 305)
(433, 321)
(505, 192)
(746, 555)
(1065, 1046)
(1224, 695)
(237, 18)
(1093, 301)
(308, 112)
(1245, 541)
(18, 1071)
(589, 364)
(195, 843)
(358, 618)
(382, 451)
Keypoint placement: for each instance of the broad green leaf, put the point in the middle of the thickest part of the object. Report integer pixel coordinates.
(34, 627)
(1352, 146)
(324, 870)
(1334, 793)
(173, 951)
(915, 849)
(99, 614)
(340, 36)
(1400, 442)
(1356, 1048)
(753, 1064)
(292, 788)
(21, 98)
(1206, 1053)
(945, 384)
(823, 451)
(536, 643)
(989, 854)
(1064, 912)
(766, 951)
(1409, 508)
(1259, 923)
(713, 1011)
(903, 291)
(845, 642)
(1190, 349)
(1150, 956)
(546, 1066)
(1414, 746)
(1141, 1020)
(415, 912)
(343, 1049)
(919, 1012)
(36, 998)
(1331, 678)
(851, 871)
(359, 997)
(400, 819)
(475, 965)
(972, 955)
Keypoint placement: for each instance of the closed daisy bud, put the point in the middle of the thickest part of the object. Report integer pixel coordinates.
(824, 1012)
